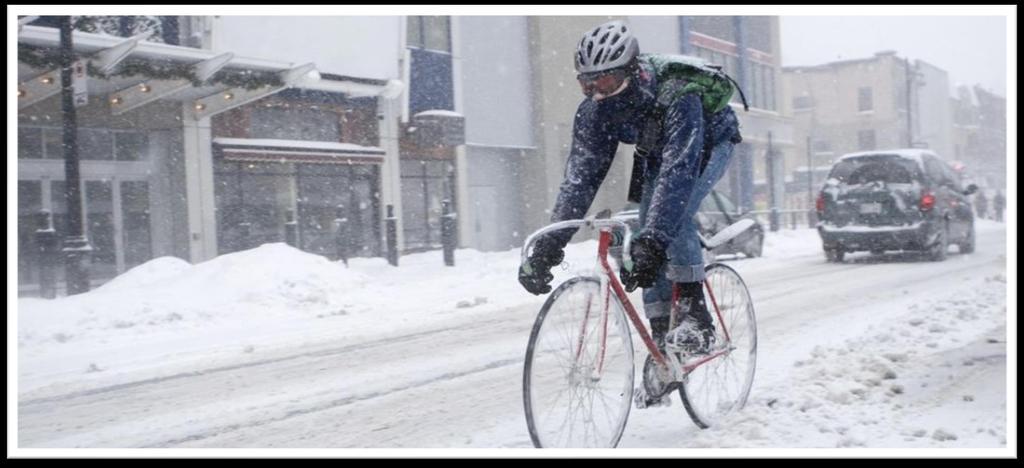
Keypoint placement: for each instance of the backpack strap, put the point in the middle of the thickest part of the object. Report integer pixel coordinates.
(742, 97)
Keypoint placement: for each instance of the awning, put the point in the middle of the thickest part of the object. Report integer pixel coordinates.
(296, 151)
(126, 92)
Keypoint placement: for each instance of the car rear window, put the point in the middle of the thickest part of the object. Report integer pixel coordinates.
(888, 169)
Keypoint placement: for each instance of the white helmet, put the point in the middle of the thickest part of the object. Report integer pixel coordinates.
(610, 45)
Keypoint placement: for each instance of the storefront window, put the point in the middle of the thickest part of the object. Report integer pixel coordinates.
(95, 144)
(131, 146)
(30, 201)
(30, 143)
(425, 185)
(135, 218)
(256, 197)
(99, 203)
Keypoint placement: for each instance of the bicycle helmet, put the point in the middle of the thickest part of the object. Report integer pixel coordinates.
(606, 47)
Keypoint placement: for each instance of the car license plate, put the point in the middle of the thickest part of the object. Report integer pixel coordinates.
(870, 208)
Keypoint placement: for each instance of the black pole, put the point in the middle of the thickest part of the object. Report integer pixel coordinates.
(773, 218)
(811, 210)
(391, 223)
(448, 232)
(910, 124)
(810, 175)
(49, 254)
(76, 246)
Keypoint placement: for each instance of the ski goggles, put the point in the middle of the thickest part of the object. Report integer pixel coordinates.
(598, 86)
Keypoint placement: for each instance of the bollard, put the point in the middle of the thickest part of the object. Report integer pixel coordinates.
(47, 244)
(341, 234)
(391, 227)
(448, 232)
(773, 220)
(812, 218)
(291, 229)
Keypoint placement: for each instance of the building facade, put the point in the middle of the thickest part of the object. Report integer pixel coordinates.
(880, 102)
(979, 135)
(282, 136)
(201, 139)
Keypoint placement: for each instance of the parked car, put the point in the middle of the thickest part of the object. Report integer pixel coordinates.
(905, 199)
(716, 212)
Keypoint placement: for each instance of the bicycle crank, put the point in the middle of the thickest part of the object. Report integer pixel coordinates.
(658, 383)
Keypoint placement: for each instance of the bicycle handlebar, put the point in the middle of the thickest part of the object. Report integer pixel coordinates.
(576, 223)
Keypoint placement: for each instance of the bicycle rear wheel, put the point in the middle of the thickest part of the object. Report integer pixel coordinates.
(578, 376)
(721, 385)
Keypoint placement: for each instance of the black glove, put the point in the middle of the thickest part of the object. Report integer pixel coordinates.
(535, 274)
(648, 255)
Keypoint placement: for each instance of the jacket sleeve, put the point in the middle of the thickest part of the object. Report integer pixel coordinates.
(594, 142)
(680, 168)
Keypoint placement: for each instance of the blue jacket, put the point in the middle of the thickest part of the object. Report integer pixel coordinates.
(676, 136)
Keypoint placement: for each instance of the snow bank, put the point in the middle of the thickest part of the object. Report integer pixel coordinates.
(168, 300)
(927, 375)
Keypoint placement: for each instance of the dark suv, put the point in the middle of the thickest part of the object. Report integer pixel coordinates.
(894, 200)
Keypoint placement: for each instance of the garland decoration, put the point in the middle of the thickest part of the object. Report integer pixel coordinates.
(45, 58)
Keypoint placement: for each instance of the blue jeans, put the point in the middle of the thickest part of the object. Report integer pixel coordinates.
(686, 256)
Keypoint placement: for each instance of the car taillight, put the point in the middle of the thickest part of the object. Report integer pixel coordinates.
(819, 204)
(927, 201)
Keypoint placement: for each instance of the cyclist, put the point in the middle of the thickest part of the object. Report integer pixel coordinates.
(684, 151)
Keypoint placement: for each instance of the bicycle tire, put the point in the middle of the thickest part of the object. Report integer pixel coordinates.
(537, 370)
(704, 405)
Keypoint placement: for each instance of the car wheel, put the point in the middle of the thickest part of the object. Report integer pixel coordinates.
(938, 250)
(968, 245)
(754, 246)
(834, 255)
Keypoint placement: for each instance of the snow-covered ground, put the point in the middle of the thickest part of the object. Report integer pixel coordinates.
(274, 347)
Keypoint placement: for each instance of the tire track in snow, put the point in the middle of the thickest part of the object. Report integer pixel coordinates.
(333, 404)
(25, 404)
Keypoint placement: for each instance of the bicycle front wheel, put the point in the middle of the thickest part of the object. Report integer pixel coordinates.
(578, 376)
(722, 384)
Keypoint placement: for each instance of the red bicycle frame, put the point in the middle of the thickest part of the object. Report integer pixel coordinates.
(604, 241)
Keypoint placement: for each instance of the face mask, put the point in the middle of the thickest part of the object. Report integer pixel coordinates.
(598, 96)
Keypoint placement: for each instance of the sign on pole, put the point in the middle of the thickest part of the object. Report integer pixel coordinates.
(79, 77)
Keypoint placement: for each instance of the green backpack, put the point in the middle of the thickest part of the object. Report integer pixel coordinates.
(681, 74)
(676, 76)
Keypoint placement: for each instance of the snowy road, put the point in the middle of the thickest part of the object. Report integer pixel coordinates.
(880, 351)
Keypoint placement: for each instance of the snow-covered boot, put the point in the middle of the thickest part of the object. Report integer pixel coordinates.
(695, 334)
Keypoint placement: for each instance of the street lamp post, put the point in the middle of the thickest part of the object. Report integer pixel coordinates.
(76, 247)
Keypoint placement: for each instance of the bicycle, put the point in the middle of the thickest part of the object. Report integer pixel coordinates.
(578, 378)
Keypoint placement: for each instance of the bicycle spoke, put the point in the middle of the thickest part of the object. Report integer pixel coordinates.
(576, 404)
(720, 385)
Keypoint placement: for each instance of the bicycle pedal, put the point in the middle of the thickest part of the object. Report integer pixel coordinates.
(642, 400)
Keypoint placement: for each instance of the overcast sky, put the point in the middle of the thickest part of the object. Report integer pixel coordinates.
(972, 49)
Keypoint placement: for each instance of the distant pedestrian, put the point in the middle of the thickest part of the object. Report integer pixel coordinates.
(981, 204)
(998, 203)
